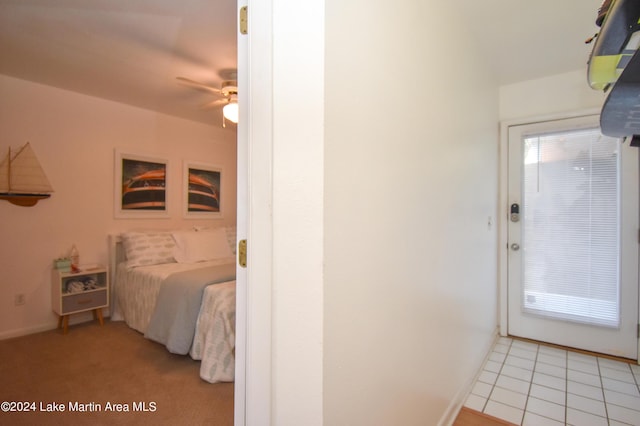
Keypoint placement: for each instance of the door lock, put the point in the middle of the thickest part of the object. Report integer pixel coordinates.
(515, 212)
(515, 246)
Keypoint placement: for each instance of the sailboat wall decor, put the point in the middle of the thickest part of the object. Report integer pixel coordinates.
(22, 180)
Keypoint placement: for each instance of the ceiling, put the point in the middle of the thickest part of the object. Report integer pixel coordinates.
(529, 39)
(131, 51)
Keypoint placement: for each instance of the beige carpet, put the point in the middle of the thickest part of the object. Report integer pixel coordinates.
(94, 367)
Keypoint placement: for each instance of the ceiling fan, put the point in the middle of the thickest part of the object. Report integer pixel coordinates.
(228, 92)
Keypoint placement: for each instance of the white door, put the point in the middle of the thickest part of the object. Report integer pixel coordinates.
(573, 237)
(242, 219)
(253, 382)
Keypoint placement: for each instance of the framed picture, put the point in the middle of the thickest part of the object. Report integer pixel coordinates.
(202, 190)
(140, 186)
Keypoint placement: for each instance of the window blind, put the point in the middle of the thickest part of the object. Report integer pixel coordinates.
(570, 235)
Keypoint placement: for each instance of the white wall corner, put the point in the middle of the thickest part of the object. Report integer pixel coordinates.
(457, 402)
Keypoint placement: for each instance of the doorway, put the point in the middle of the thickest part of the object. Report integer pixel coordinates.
(572, 236)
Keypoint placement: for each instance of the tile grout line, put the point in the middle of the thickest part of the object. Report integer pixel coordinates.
(604, 397)
(535, 362)
(493, 386)
(566, 386)
(635, 379)
(633, 376)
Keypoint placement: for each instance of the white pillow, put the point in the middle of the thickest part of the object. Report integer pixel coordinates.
(230, 232)
(192, 247)
(148, 247)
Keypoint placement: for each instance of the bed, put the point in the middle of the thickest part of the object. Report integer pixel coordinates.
(178, 289)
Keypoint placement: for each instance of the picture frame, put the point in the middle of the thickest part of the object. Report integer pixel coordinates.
(140, 186)
(202, 190)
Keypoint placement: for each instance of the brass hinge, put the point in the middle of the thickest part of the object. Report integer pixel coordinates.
(242, 253)
(244, 23)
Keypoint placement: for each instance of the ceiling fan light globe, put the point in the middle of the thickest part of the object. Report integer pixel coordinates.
(230, 111)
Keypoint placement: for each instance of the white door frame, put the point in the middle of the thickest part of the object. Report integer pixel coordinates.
(503, 215)
(620, 340)
(253, 402)
(285, 97)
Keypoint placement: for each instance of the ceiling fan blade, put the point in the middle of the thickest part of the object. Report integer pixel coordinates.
(213, 104)
(198, 85)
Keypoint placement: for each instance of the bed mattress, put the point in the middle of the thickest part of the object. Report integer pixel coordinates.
(136, 290)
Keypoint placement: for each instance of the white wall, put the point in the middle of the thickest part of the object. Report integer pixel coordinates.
(298, 140)
(74, 137)
(411, 143)
(556, 94)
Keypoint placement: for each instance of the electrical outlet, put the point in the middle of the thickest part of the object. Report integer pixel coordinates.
(19, 299)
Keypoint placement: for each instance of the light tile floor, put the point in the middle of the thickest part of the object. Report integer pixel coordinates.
(529, 384)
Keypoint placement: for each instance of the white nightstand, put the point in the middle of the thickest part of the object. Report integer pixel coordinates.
(74, 292)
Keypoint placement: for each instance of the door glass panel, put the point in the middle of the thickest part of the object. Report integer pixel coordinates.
(570, 235)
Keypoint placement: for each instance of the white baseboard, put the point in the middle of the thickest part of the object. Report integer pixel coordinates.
(74, 319)
(27, 330)
(452, 411)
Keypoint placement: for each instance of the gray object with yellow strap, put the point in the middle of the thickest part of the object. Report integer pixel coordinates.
(614, 66)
